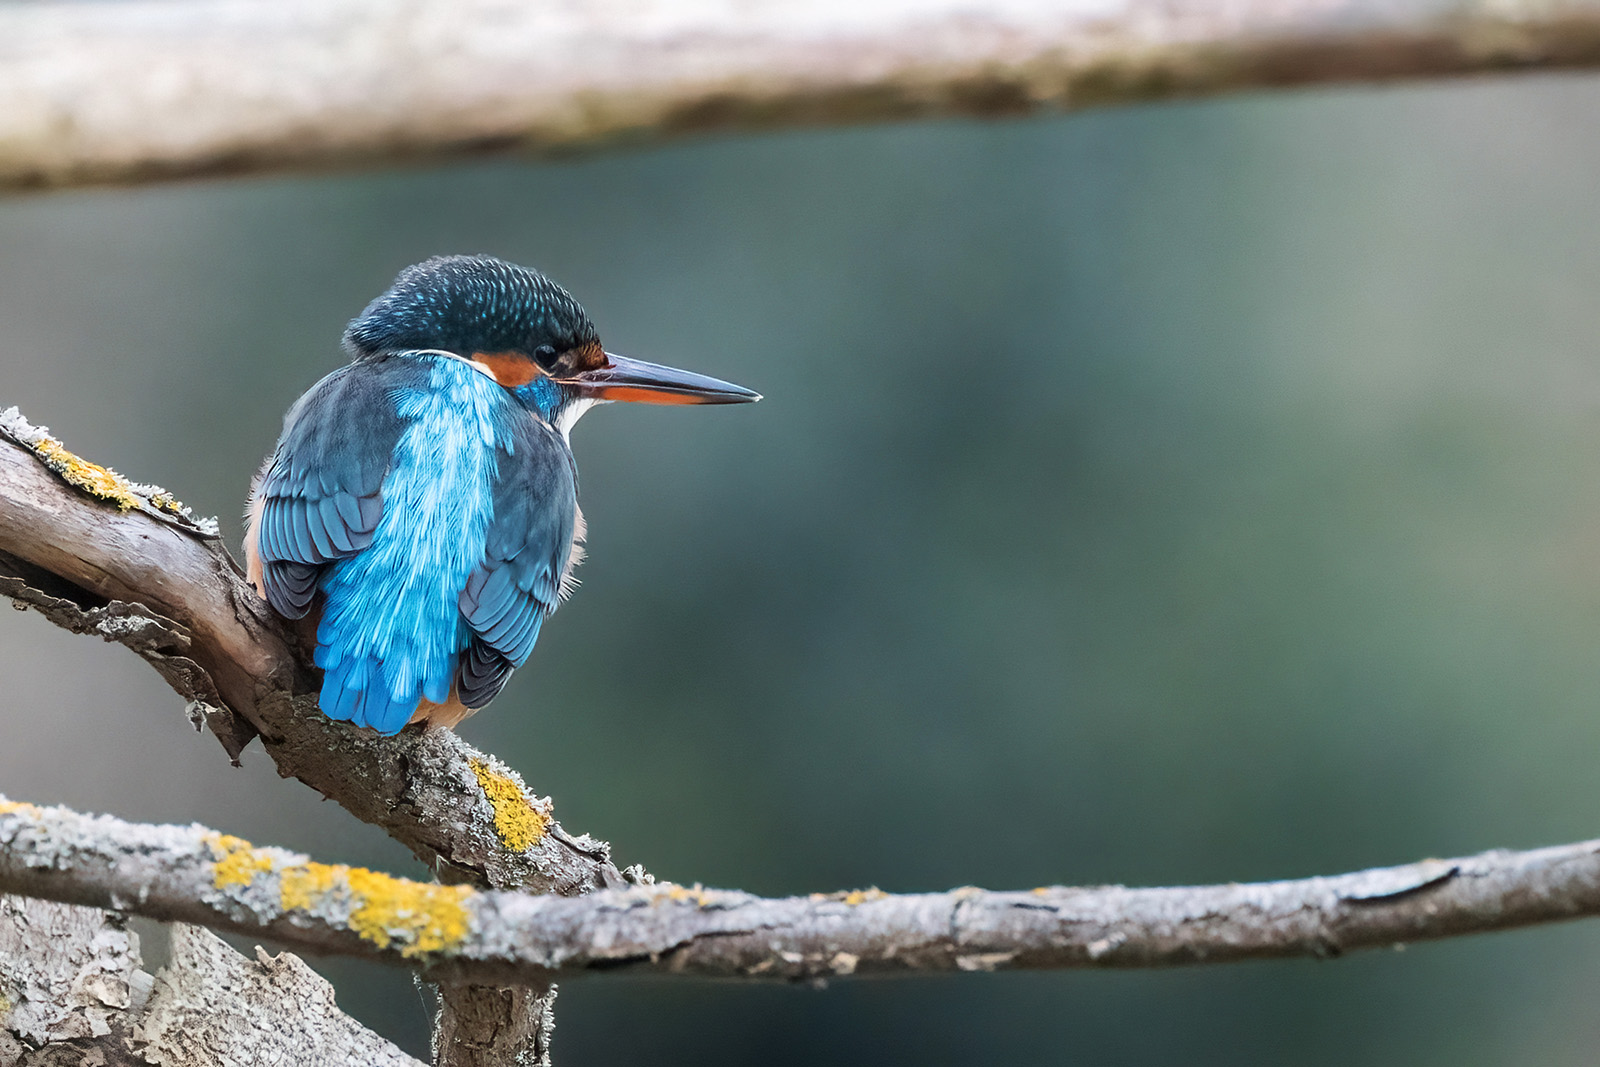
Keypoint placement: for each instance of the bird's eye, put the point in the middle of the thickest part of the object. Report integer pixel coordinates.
(545, 356)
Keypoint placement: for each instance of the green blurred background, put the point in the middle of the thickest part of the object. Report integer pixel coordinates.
(1171, 494)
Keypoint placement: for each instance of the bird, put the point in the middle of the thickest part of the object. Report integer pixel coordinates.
(420, 507)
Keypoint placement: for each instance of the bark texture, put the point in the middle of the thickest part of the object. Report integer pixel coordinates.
(212, 1007)
(488, 1026)
(486, 938)
(69, 981)
(151, 89)
(72, 994)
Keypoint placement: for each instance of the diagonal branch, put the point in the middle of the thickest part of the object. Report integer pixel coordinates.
(151, 89)
(98, 555)
(94, 555)
(194, 875)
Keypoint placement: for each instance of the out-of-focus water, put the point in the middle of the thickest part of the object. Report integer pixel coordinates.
(1175, 494)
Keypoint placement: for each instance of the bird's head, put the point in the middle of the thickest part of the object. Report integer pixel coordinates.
(526, 332)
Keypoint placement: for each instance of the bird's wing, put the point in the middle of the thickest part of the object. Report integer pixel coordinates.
(518, 583)
(319, 498)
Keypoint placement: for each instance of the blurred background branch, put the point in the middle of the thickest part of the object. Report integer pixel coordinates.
(153, 89)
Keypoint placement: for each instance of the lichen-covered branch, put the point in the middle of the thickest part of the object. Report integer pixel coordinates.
(100, 557)
(72, 991)
(149, 89)
(194, 875)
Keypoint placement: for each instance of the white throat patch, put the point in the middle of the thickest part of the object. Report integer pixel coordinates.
(568, 416)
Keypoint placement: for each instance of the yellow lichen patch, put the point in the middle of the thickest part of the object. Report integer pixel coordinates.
(694, 894)
(424, 918)
(421, 917)
(306, 886)
(90, 477)
(17, 807)
(5, 1004)
(167, 502)
(861, 896)
(516, 820)
(854, 897)
(237, 861)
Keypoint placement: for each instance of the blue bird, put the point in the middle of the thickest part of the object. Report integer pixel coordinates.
(424, 499)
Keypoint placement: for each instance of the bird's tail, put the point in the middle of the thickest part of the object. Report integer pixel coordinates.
(357, 689)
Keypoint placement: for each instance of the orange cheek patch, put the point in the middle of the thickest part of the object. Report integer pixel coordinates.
(647, 396)
(510, 369)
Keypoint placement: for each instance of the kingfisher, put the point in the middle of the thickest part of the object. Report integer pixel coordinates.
(421, 505)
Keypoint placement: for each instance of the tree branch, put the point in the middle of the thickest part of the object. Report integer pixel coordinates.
(152, 89)
(126, 562)
(69, 978)
(194, 875)
(72, 991)
(211, 1005)
(98, 555)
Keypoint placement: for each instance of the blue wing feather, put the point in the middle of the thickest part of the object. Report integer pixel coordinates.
(320, 496)
(333, 523)
(508, 596)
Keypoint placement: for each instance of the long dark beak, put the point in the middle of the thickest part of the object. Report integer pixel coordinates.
(650, 383)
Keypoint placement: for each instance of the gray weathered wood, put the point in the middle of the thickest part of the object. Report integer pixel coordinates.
(72, 991)
(194, 875)
(149, 89)
(212, 1007)
(68, 979)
